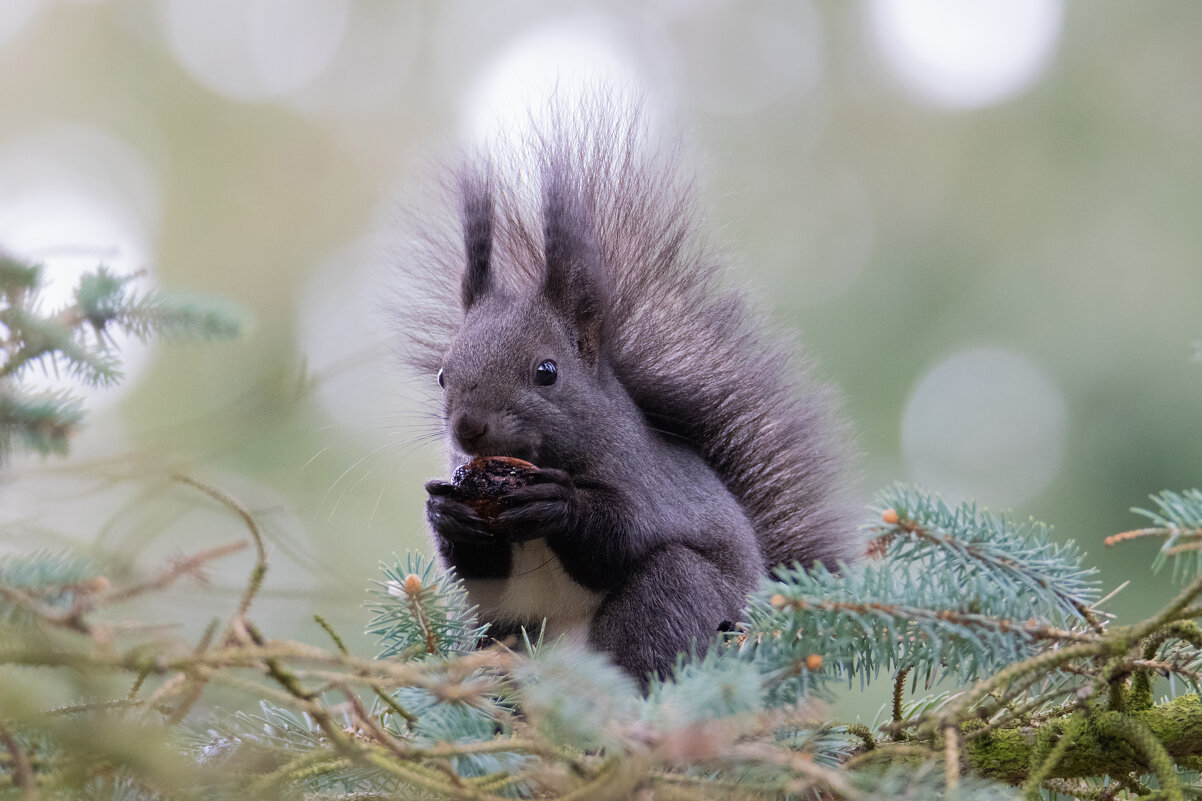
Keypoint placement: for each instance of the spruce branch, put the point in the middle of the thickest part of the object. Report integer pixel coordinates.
(77, 339)
(33, 338)
(50, 579)
(103, 299)
(22, 770)
(870, 619)
(18, 278)
(1178, 519)
(1058, 699)
(1043, 764)
(42, 422)
(899, 690)
(1000, 567)
(259, 570)
(421, 611)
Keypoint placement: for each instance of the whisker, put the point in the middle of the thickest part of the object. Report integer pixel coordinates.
(313, 458)
(372, 453)
(379, 497)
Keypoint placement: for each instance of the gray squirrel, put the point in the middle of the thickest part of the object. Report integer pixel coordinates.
(575, 319)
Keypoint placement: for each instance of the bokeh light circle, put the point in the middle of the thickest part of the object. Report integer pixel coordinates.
(985, 424)
(566, 61)
(966, 53)
(75, 198)
(16, 16)
(255, 50)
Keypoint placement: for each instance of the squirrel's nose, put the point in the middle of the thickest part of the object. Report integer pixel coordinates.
(468, 432)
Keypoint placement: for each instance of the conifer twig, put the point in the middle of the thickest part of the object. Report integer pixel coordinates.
(1046, 763)
(23, 777)
(1136, 732)
(899, 689)
(951, 752)
(255, 581)
(187, 566)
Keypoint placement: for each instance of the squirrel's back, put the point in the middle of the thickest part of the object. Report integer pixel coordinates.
(695, 356)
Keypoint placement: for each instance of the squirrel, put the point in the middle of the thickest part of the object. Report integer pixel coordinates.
(575, 319)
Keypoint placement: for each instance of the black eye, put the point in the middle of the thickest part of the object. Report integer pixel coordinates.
(546, 373)
(442, 381)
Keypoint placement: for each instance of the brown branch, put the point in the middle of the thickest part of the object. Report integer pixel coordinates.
(899, 689)
(1006, 753)
(255, 581)
(1159, 531)
(951, 751)
(1164, 668)
(186, 566)
(23, 777)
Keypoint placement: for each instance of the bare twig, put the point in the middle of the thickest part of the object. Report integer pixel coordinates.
(899, 689)
(23, 777)
(186, 566)
(255, 582)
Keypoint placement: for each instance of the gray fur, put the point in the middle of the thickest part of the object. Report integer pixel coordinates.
(685, 444)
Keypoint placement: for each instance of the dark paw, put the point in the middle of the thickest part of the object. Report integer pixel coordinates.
(452, 519)
(542, 507)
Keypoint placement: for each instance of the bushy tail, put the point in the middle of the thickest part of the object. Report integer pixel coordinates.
(692, 351)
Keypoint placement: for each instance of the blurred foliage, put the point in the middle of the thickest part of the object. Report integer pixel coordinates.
(78, 337)
(1060, 703)
(1061, 224)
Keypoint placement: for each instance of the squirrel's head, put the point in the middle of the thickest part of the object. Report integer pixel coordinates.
(524, 374)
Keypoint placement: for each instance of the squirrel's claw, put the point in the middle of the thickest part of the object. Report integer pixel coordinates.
(540, 509)
(438, 487)
(454, 520)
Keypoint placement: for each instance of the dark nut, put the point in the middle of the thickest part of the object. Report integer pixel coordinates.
(485, 481)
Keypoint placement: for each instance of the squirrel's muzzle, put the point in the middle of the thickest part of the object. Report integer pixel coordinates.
(469, 432)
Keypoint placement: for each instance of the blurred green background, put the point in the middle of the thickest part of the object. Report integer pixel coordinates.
(983, 218)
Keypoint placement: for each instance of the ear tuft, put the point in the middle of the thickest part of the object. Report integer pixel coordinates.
(573, 281)
(476, 212)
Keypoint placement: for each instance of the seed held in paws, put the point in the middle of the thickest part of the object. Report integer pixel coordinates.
(485, 481)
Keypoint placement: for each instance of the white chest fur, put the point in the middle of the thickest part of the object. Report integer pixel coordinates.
(537, 587)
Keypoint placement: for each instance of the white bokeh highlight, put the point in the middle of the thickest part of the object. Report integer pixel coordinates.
(16, 16)
(75, 198)
(564, 61)
(987, 425)
(255, 50)
(963, 54)
(367, 74)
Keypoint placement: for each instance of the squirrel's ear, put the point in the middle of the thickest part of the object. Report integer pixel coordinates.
(476, 213)
(572, 283)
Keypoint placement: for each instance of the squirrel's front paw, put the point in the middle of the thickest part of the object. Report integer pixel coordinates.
(452, 519)
(542, 507)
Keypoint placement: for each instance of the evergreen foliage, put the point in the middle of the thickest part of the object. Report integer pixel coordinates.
(1175, 518)
(421, 612)
(1058, 703)
(46, 580)
(1050, 697)
(78, 340)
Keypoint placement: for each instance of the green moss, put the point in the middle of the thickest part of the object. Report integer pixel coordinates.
(1006, 754)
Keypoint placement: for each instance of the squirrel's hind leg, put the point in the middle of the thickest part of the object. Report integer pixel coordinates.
(675, 601)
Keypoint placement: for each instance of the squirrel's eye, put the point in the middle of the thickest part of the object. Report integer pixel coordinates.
(442, 381)
(546, 373)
